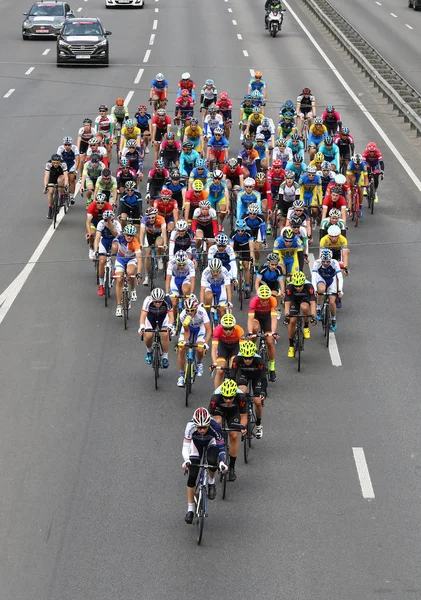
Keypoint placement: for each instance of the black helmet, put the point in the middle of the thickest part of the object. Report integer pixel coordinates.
(56, 158)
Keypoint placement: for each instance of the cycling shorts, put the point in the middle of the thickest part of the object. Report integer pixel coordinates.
(122, 262)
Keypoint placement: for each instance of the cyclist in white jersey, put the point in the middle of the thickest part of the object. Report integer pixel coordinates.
(282, 152)
(180, 278)
(195, 323)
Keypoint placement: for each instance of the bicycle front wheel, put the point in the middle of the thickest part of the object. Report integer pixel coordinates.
(125, 308)
(200, 512)
(188, 378)
(156, 362)
(106, 285)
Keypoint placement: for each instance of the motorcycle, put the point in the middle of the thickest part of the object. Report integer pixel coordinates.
(275, 20)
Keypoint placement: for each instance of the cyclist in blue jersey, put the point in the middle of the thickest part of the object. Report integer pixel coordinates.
(177, 185)
(70, 155)
(242, 242)
(331, 152)
(297, 165)
(217, 150)
(326, 277)
(158, 92)
(258, 83)
(222, 250)
(288, 107)
(218, 195)
(199, 172)
(296, 145)
(143, 120)
(188, 158)
(256, 225)
(246, 197)
(262, 149)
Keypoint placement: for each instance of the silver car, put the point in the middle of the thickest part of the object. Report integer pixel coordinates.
(133, 3)
(45, 19)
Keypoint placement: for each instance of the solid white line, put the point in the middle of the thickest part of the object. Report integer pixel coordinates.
(147, 55)
(9, 93)
(393, 15)
(234, 22)
(155, 24)
(156, 9)
(79, 9)
(46, 51)
(363, 474)
(252, 72)
(409, 26)
(245, 53)
(128, 97)
(230, 10)
(29, 71)
(139, 75)
(379, 3)
(357, 101)
(240, 37)
(151, 39)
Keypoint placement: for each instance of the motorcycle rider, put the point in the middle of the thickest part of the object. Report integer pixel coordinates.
(273, 5)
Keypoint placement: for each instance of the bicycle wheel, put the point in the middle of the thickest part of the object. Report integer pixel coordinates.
(224, 478)
(264, 355)
(200, 512)
(240, 287)
(371, 195)
(156, 362)
(152, 272)
(247, 438)
(125, 307)
(56, 206)
(326, 324)
(188, 379)
(356, 208)
(106, 285)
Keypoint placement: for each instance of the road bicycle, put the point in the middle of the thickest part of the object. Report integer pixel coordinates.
(59, 200)
(355, 205)
(125, 296)
(226, 431)
(371, 192)
(251, 421)
(201, 496)
(156, 351)
(108, 277)
(263, 351)
(190, 368)
(299, 339)
(326, 317)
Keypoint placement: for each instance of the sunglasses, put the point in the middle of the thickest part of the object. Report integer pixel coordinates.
(191, 310)
(201, 428)
(102, 111)
(100, 202)
(67, 144)
(228, 328)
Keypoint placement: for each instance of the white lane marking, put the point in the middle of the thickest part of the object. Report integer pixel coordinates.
(147, 55)
(393, 15)
(46, 51)
(252, 72)
(409, 26)
(379, 3)
(357, 101)
(245, 53)
(155, 24)
(79, 9)
(240, 37)
(363, 473)
(9, 93)
(151, 39)
(156, 9)
(234, 22)
(230, 10)
(29, 71)
(139, 75)
(128, 97)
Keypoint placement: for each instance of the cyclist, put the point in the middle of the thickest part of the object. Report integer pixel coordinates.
(222, 250)
(346, 145)
(161, 124)
(125, 174)
(257, 227)
(94, 147)
(327, 177)
(356, 174)
(233, 176)
(327, 278)
(242, 243)
(155, 229)
(143, 120)
(311, 190)
(334, 199)
(120, 112)
(264, 188)
(333, 219)
(332, 120)
(289, 248)
(271, 274)
(230, 402)
(306, 108)
(212, 120)
(91, 171)
(287, 126)
(338, 244)
(253, 122)
(55, 172)
(188, 159)
(299, 211)
(106, 184)
(216, 282)
(107, 230)
(288, 107)
(85, 134)
(208, 96)
(341, 182)
(104, 126)
(94, 214)
(70, 155)
(289, 191)
(204, 224)
(217, 150)
(218, 195)
(262, 149)
(193, 133)
(297, 166)
(135, 157)
(247, 367)
(317, 161)
(257, 82)
(224, 108)
(130, 205)
(247, 158)
(182, 238)
(375, 164)
(187, 83)
(193, 197)
(276, 176)
(316, 135)
(331, 152)
(282, 152)
(299, 299)
(180, 278)
(267, 129)
(196, 328)
(131, 132)
(127, 260)
(157, 176)
(177, 185)
(300, 231)
(157, 312)
(184, 108)
(167, 208)
(247, 196)
(263, 316)
(225, 345)
(158, 92)
(246, 110)
(199, 173)
(296, 146)
(202, 434)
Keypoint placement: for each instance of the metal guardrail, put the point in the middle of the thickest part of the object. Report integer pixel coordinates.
(405, 98)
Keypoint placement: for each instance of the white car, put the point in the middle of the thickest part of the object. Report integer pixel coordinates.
(134, 3)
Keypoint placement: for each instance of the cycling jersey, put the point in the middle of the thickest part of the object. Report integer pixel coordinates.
(85, 136)
(285, 156)
(197, 320)
(244, 200)
(135, 158)
(127, 249)
(227, 258)
(166, 209)
(193, 134)
(257, 84)
(305, 102)
(305, 216)
(299, 171)
(288, 256)
(159, 85)
(91, 171)
(310, 190)
(230, 338)
(261, 149)
(289, 193)
(286, 127)
(69, 156)
(211, 280)
(120, 114)
(296, 147)
(255, 119)
(132, 201)
(185, 104)
(346, 146)
(100, 150)
(106, 185)
(130, 135)
(216, 192)
(211, 122)
(204, 177)
(107, 233)
(187, 162)
(330, 204)
(275, 178)
(325, 182)
(156, 179)
(327, 274)
(55, 172)
(208, 93)
(295, 296)
(248, 159)
(359, 171)
(104, 125)
(246, 109)
(316, 134)
(189, 85)
(259, 308)
(207, 222)
(224, 107)
(331, 154)
(270, 277)
(373, 160)
(218, 145)
(161, 122)
(257, 226)
(96, 212)
(195, 444)
(182, 241)
(156, 314)
(155, 227)
(143, 120)
(179, 274)
(123, 176)
(340, 244)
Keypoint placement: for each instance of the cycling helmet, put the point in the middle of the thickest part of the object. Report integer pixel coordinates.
(248, 144)
(295, 222)
(123, 162)
(277, 164)
(371, 147)
(151, 212)
(215, 265)
(233, 163)
(255, 94)
(258, 74)
(95, 158)
(272, 258)
(340, 179)
(101, 197)
(229, 387)
(87, 121)
(319, 157)
(330, 108)
(191, 302)
(200, 163)
(55, 158)
(105, 173)
(108, 214)
(223, 96)
(166, 193)
(119, 101)
(298, 204)
(335, 213)
(175, 174)
(161, 112)
(288, 235)
(93, 141)
(157, 295)
(247, 97)
(160, 77)
(181, 225)
(345, 130)
(260, 177)
(328, 140)
(217, 174)
(218, 131)
(185, 93)
(289, 104)
(187, 144)
(311, 169)
(248, 349)
(212, 110)
(197, 185)
(204, 204)
(265, 122)
(181, 257)
(336, 189)
(142, 107)
(67, 140)
(130, 230)
(253, 209)
(228, 321)
(159, 164)
(326, 254)
(260, 137)
(297, 158)
(295, 137)
(289, 174)
(201, 417)
(325, 166)
(280, 142)
(240, 224)
(209, 82)
(185, 76)
(131, 144)
(318, 121)
(298, 279)
(256, 109)
(306, 91)
(288, 115)
(334, 231)
(130, 185)
(249, 182)
(102, 107)
(193, 121)
(264, 292)
(170, 136)
(221, 239)
(129, 122)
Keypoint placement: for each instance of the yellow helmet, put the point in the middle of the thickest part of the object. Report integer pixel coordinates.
(197, 185)
(248, 349)
(264, 292)
(319, 157)
(228, 321)
(298, 279)
(228, 388)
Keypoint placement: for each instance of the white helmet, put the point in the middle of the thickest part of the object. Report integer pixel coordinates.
(160, 77)
(215, 265)
(340, 179)
(181, 225)
(334, 231)
(157, 295)
(253, 209)
(181, 257)
(201, 417)
(185, 76)
(249, 181)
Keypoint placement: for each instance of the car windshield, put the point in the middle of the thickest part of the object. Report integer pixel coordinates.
(47, 10)
(86, 28)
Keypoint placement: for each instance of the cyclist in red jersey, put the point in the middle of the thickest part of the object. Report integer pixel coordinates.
(167, 208)
(224, 106)
(263, 315)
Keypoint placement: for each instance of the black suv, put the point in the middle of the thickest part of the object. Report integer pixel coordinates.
(45, 19)
(83, 41)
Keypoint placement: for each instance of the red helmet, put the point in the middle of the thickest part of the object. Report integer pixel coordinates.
(306, 91)
(165, 193)
(142, 107)
(120, 102)
(371, 147)
(277, 164)
(184, 92)
(223, 96)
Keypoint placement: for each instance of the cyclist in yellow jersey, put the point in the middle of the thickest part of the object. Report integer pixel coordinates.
(356, 174)
(317, 161)
(253, 122)
(130, 132)
(338, 244)
(289, 248)
(193, 133)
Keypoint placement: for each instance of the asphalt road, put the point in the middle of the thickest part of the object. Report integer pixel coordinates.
(93, 496)
(392, 29)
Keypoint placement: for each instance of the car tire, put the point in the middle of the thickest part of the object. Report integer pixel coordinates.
(25, 37)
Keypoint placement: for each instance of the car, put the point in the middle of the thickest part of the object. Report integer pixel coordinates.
(133, 3)
(415, 4)
(45, 19)
(83, 41)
